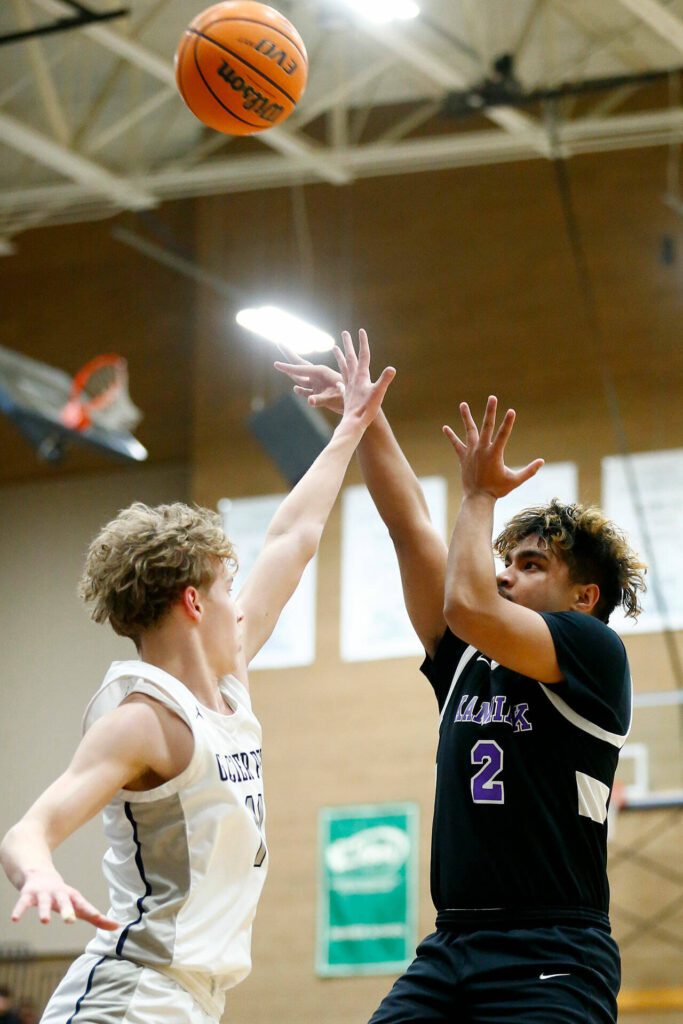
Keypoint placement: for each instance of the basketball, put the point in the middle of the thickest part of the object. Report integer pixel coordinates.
(241, 67)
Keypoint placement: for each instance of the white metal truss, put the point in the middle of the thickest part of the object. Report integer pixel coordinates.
(130, 144)
(664, 22)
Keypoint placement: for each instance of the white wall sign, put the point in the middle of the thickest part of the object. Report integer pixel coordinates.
(245, 521)
(647, 490)
(374, 622)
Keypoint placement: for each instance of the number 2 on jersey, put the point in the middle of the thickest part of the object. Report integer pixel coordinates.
(485, 788)
(257, 810)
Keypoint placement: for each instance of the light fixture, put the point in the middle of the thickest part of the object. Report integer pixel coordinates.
(285, 329)
(383, 11)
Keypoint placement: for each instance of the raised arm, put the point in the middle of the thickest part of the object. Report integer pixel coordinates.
(509, 633)
(294, 533)
(115, 752)
(397, 494)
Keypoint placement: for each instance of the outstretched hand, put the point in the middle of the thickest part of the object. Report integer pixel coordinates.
(347, 390)
(362, 398)
(316, 382)
(482, 456)
(48, 892)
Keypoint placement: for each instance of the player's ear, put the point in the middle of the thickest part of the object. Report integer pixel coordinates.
(191, 603)
(586, 597)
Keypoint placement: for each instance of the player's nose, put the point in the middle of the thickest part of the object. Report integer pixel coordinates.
(504, 579)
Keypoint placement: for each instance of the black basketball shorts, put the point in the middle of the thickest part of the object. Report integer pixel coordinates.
(560, 974)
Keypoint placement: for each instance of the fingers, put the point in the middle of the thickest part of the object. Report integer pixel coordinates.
(455, 440)
(44, 907)
(489, 420)
(23, 903)
(293, 373)
(292, 370)
(363, 351)
(471, 432)
(107, 923)
(341, 361)
(65, 907)
(505, 429)
(291, 356)
(349, 351)
(520, 476)
(329, 398)
(383, 382)
(85, 911)
(68, 902)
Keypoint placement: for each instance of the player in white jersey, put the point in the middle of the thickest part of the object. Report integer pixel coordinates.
(172, 750)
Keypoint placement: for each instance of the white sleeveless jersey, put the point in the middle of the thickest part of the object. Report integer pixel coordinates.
(187, 860)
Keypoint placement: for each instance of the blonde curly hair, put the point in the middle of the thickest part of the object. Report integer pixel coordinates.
(141, 561)
(594, 549)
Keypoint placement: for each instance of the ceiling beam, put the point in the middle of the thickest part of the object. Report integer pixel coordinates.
(43, 76)
(92, 176)
(341, 91)
(656, 15)
(464, 149)
(444, 73)
(123, 124)
(161, 68)
(601, 37)
(122, 46)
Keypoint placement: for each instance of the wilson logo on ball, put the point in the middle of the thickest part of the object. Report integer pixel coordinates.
(253, 100)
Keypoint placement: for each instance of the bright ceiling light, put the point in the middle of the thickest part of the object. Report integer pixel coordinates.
(383, 11)
(284, 329)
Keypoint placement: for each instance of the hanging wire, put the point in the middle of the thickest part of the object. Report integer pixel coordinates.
(673, 163)
(593, 326)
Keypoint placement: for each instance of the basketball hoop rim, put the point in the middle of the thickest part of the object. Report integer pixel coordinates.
(76, 412)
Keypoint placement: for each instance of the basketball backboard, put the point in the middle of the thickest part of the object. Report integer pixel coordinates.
(33, 395)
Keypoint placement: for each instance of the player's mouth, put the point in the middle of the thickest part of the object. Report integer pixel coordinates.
(504, 594)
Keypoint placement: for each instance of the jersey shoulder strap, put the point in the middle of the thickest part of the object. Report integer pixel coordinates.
(237, 692)
(126, 677)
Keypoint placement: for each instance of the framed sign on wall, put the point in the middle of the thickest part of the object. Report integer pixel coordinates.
(367, 889)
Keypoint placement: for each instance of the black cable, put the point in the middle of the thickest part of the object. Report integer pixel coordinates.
(81, 19)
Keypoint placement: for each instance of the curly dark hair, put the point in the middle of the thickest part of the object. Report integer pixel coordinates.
(141, 561)
(594, 549)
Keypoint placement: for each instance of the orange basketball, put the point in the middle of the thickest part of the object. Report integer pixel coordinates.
(241, 67)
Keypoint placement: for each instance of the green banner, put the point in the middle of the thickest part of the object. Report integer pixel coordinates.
(367, 896)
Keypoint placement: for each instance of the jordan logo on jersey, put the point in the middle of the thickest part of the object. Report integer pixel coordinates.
(496, 710)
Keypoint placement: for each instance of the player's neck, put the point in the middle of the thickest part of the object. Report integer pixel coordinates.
(185, 659)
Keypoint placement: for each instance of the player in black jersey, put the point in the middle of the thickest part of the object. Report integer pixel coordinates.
(535, 700)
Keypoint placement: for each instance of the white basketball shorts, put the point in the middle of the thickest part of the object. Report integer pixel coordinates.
(102, 990)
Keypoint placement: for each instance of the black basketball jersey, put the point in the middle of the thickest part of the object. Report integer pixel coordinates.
(525, 772)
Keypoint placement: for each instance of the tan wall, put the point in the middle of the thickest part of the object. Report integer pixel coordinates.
(54, 658)
(466, 285)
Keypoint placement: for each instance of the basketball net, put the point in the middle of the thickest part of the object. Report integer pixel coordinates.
(99, 396)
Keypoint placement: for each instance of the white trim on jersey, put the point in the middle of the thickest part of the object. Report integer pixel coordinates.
(583, 723)
(465, 658)
(593, 797)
